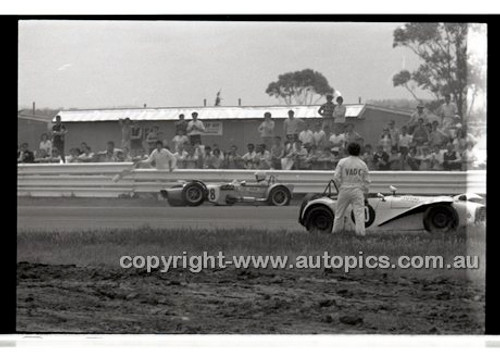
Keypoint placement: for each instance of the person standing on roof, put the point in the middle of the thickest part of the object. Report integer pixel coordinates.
(326, 111)
(195, 129)
(353, 180)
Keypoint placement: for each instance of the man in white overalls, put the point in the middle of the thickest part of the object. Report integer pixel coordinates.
(353, 180)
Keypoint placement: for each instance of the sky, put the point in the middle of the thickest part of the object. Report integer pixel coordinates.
(101, 64)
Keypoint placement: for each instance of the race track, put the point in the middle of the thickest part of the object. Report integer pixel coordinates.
(69, 218)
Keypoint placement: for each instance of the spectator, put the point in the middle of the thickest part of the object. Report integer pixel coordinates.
(420, 113)
(45, 145)
(266, 130)
(181, 155)
(337, 154)
(460, 142)
(56, 157)
(299, 156)
(319, 137)
(337, 139)
(181, 125)
(351, 136)
(420, 135)
(437, 158)
(425, 158)
(136, 138)
(151, 138)
(249, 157)
(217, 158)
(200, 153)
(394, 132)
(326, 111)
(292, 126)
(192, 158)
(411, 161)
(124, 155)
(405, 139)
(437, 137)
(111, 153)
(306, 136)
(339, 112)
(326, 159)
(125, 125)
(381, 159)
(162, 158)
(87, 155)
(313, 157)
(179, 140)
(195, 129)
(394, 160)
(469, 158)
(288, 153)
(58, 134)
(447, 112)
(385, 140)
(277, 153)
(208, 158)
(367, 157)
(262, 158)
(232, 159)
(73, 155)
(25, 155)
(451, 159)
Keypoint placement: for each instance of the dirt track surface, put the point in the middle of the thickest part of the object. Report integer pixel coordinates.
(66, 298)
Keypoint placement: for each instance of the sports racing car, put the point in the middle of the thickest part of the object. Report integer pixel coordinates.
(395, 212)
(194, 193)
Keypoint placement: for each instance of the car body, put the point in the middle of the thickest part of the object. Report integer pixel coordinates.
(263, 191)
(396, 212)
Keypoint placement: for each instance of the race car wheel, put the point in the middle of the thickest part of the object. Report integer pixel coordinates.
(194, 194)
(440, 218)
(279, 196)
(320, 219)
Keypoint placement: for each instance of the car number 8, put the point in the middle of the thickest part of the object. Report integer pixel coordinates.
(211, 194)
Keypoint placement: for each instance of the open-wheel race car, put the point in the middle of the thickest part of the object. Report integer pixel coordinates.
(264, 191)
(395, 212)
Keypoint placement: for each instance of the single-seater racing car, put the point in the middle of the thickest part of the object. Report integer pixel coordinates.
(195, 192)
(395, 212)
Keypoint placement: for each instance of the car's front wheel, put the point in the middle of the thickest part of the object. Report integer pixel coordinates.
(320, 219)
(194, 194)
(440, 218)
(279, 196)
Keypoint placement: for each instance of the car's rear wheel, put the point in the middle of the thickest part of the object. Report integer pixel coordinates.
(440, 218)
(279, 196)
(194, 194)
(320, 219)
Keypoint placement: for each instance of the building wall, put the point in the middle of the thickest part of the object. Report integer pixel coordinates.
(30, 131)
(374, 120)
(238, 132)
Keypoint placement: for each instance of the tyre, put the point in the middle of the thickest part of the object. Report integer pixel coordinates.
(440, 218)
(194, 193)
(279, 196)
(320, 219)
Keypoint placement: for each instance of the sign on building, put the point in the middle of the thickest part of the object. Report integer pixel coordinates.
(213, 128)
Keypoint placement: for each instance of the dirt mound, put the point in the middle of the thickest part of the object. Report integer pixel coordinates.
(66, 298)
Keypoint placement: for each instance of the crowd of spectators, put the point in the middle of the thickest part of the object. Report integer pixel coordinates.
(426, 142)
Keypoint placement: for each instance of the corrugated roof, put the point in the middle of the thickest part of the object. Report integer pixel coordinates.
(204, 113)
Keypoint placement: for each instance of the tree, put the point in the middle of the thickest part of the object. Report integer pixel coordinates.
(442, 47)
(299, 87)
